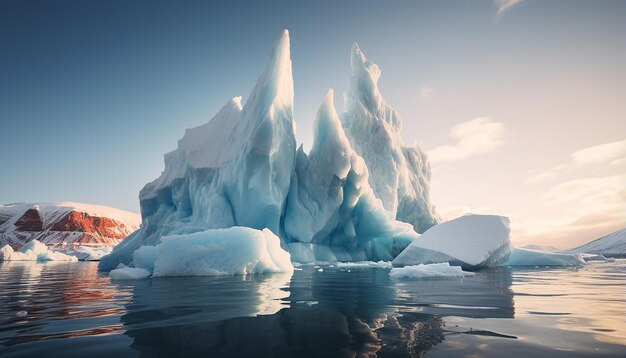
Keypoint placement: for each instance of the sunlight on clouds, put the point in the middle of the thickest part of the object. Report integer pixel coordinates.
(611, 154)
(478, 136)
(593, 207)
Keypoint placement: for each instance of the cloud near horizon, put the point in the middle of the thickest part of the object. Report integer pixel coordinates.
(478, 136)
(594, 207)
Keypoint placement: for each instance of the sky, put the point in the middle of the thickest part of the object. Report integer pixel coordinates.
(521, 104)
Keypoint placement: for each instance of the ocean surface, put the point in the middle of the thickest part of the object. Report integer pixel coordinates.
(72, 310)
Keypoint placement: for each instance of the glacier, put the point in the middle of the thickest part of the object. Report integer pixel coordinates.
(470, 241)
(358, 195)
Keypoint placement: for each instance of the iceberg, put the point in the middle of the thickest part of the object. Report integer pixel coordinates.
(440, 270)
(471, 241)
(242, 169)
(399, 175)
(528, 257)
(33, 251)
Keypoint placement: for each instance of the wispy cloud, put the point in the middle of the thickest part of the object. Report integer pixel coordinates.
(426, 93)
(606, 154)
(478, 136)
(610, 153)
(504, 5)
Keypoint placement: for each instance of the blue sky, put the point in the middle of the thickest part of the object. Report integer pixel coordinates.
(92, 94)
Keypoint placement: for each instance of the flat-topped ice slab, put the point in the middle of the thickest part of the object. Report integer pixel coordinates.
(471, 241)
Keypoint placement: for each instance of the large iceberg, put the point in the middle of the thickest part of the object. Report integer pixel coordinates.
(242, 169)
(399, 175)
(471, 241)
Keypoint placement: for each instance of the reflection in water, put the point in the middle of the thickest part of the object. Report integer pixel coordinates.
(330, 313)
(76, 297)
(536, 291)
(61, 309)
(486, 295)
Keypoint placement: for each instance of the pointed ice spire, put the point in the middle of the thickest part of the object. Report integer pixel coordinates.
(328, 129)
(330, 144)
(363, 82)
(275, 86)
(361, 64)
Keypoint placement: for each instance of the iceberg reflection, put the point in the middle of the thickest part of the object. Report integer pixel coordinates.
(312, 313)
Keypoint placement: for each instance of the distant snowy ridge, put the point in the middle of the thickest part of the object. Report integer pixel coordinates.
(345, 200)
(611, 245)
(65, 225)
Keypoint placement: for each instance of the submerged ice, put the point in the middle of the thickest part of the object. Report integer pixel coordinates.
(359, 194)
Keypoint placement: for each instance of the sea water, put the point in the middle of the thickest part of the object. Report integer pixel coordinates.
(72, 310)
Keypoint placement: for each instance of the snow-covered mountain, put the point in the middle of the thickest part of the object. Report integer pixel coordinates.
(611, 245)
(65, 225)
(357, 195)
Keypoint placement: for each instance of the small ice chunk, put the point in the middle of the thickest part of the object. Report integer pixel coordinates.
(129, 273)
(528, 257)
(381, 264)
(440, 270)
(85, 253)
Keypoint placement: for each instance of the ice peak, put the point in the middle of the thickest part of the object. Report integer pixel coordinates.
(362, 66)
(279, 70)
(327, 115)
(274, 88)
(328, 129)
